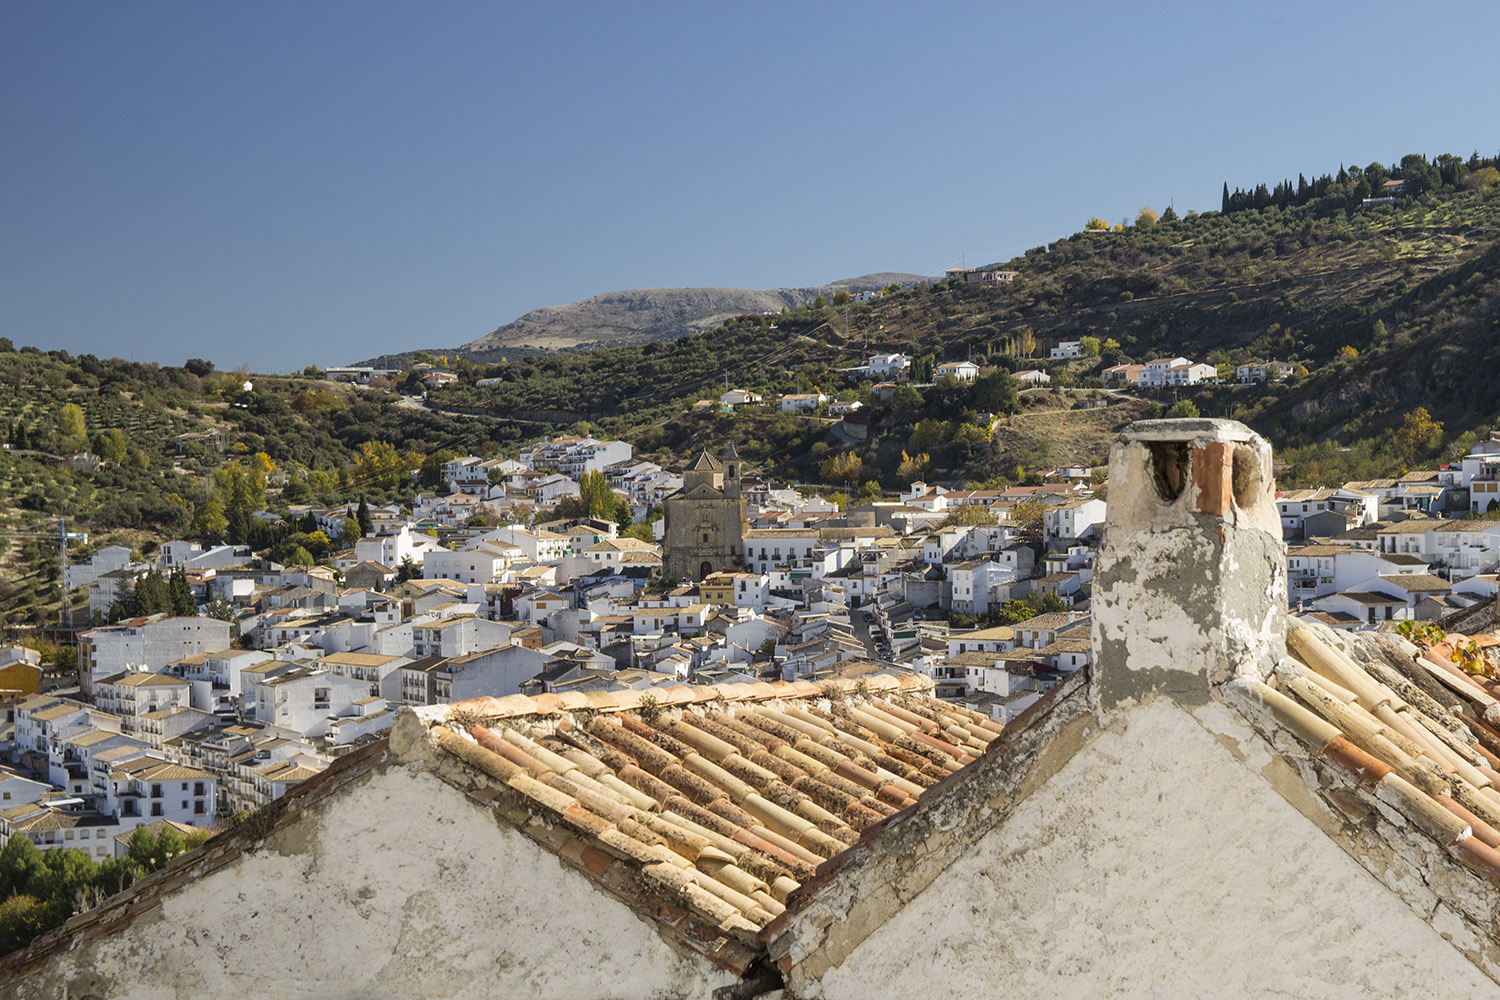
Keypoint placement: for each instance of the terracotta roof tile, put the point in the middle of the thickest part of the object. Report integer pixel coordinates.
(711, 805)
(1377, 706)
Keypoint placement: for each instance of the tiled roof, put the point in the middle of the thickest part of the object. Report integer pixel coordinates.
(1383, 713)
(56, 712)
(1316, 550)
(1056, 619)
(1367, 597)
(997, 633)
(1419, 581)
(720, 799)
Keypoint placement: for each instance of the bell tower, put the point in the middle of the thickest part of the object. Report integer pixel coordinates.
(733, 469)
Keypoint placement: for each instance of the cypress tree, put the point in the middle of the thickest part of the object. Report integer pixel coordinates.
(181, 594)
(363, 519)
(1224, 205)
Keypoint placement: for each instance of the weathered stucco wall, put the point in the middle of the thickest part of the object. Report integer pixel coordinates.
(1160, 861)
(398, 886)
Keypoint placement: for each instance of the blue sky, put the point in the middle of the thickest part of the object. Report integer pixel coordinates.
(318, 182)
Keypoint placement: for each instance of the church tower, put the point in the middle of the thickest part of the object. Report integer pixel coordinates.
(705, 520)
(733, 470)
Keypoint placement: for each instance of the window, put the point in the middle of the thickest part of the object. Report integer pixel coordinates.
(67, 834)
(198, 788)
(156, 809)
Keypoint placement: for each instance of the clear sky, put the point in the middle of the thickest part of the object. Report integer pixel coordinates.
(319, 182)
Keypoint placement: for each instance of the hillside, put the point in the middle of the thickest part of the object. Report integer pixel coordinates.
(1387, 309)
(642, 315)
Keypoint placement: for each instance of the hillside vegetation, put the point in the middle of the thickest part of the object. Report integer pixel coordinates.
(1387, 309)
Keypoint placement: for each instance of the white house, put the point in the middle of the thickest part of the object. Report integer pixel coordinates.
(1262, 371)
(306, 700)
(979, 584)
(1155, 371)
(1032, 376)
(888, 365)
(964, 371)
(1073, 520)
(473, 565)
(1067, 349)
(1294, 505)
(803, 402)
(741, 397)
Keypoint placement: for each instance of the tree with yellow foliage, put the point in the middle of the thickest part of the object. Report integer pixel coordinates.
(913, 467)
(1417, 433)
(844, 467)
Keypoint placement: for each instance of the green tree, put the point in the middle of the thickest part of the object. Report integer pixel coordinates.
(930, 431)
(1146, 218)
(408, 570)
(431, 473)
(1089, 346)
(111, 445)
(209, 520)
(841, 298)
(72, 430)
(598, 499)
(180, 594)
(1182, 408)
(921, 368)
(363, 519)
(820, 303)
(996, 392)
(906, 405)
(1096, 223)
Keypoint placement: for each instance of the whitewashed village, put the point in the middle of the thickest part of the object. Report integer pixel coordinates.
(475, 590)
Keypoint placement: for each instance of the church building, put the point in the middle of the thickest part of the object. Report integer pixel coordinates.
(705, 520)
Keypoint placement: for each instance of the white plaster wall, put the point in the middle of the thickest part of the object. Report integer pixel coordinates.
(1155, 864)
(404, 889)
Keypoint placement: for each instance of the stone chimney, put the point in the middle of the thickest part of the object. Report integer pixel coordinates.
(1190, 588)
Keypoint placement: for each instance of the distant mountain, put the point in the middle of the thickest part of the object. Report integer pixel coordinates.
(641, 315)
